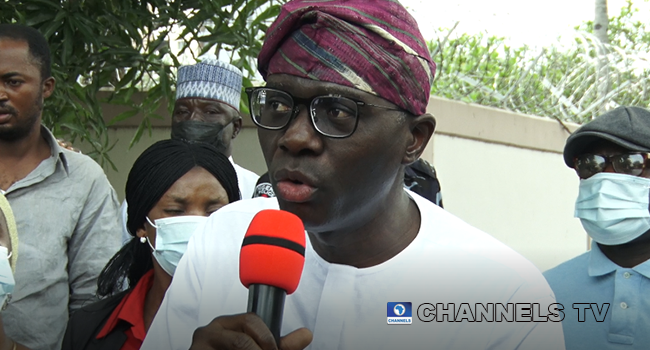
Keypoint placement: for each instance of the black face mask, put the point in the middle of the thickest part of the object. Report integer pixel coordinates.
(198, 131)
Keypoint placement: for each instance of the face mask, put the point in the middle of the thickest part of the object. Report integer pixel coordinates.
(7, 282)
(172, 235)
(613, 208)
(198, 131)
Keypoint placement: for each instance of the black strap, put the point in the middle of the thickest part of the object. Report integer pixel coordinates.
(274, 241)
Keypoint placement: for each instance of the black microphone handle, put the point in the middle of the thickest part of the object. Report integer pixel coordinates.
(267, 302)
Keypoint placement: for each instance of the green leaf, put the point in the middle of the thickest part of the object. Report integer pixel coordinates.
(67, 44)
(74, 127)
(43, 17)
(126, 79)
(123, 116)
(270, 13)
(138, 133)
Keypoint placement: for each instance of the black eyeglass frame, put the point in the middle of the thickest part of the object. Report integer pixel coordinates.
(609, 161)
(308, 102)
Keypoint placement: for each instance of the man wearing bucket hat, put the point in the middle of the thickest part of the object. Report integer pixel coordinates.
(605, 289)
(343, 112)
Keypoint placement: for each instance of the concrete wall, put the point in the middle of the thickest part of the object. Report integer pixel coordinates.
(504, 173)
(500, 171)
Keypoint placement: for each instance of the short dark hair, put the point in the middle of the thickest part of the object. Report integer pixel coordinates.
(38, 47)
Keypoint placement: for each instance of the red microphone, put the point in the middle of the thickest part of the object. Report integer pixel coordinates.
(270, 263)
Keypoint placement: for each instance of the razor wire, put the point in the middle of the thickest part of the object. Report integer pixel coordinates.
(574, 80)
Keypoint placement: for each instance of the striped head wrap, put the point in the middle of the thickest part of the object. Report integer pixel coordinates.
(374, 46)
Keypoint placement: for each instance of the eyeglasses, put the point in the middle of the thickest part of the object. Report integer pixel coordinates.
(332, 115)
(587, 165)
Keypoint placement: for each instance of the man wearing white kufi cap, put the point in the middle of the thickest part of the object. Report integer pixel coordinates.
(207, 110)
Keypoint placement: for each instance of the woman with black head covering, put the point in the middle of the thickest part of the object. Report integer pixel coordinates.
(171, 189)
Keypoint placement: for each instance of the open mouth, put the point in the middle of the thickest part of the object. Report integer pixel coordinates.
(293, 190)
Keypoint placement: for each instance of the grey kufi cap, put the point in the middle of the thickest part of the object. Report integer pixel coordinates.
(210, 79)
(628, 127)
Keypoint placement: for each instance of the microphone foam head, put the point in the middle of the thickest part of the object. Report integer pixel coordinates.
(273, 251)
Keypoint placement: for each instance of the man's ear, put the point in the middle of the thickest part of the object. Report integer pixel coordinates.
(421, 129)
(237, 125)
(48, 86)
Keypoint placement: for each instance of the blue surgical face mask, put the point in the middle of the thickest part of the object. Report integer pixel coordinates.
(613, 208)
(7, 282)
(172, 235)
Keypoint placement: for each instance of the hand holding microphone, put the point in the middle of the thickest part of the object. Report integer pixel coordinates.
(270, 265)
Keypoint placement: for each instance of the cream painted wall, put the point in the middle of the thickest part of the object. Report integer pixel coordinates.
(522, 197)
(246, 151)
(503, 173)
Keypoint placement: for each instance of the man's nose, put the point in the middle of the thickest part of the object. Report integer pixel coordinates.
(196, 115)
(301, 135)
(609, 168)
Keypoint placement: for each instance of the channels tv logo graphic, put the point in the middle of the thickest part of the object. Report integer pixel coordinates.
(399, 313)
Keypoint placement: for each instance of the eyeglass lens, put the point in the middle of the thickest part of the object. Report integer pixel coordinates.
(332, 115)
(588, 165)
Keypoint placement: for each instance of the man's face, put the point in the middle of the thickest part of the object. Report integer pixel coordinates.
(606, 148)
(21, 90)
(333, 183)
(209, 111)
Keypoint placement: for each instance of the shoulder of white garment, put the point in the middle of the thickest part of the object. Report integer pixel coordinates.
(483, 268)
(456, 235)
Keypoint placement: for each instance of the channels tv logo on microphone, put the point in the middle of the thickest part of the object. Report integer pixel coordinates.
(399, 313)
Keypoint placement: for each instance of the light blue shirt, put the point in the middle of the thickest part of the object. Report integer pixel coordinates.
(593, 278)
(68, 228)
